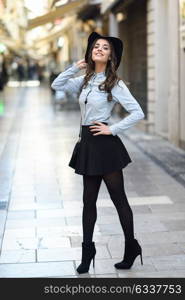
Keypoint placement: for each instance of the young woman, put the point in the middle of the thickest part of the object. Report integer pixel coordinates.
(100, 154)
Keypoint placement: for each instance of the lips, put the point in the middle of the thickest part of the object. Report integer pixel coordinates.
(99, 54)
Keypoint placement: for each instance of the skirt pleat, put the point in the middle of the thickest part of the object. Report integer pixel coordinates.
(98, 155)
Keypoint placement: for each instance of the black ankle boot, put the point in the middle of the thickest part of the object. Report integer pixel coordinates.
(88, 253)
(132, 250)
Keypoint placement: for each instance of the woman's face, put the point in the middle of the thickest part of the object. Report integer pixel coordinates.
(101, 51)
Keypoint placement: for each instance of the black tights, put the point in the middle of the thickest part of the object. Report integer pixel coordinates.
(115, 185)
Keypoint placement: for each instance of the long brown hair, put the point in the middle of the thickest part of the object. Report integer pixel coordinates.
(110, 72)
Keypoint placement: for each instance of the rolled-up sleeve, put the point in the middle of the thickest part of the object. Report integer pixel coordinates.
(65, 82)
(122, 95)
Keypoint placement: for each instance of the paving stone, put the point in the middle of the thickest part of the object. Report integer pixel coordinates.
(107, 219)
(116, 246)
(13, 215)
(105, 276)
(35, 223)
(20, 196)
(173, 225)
(169, 262)
(53, 269)
(13, 224)
(72, 204)
(17, 256)
(34, 206)
(149, 226)
(166, 237)
(20, 243)
(41, 198)
(76, 220)
(63, 230)
(156, 274)
(52, 213)
(161, 249)
(2, 218)
(162, 216)
(19, 233)
(110, 228)
(106, 211)
(54, 242)
(65, 254)
(141, 209)
(167, 208)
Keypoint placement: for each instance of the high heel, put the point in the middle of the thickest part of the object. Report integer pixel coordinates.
(141, 258)
(88, 254)
(132, 250)
(93, 261)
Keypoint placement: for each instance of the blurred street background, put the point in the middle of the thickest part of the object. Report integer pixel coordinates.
(40, 195)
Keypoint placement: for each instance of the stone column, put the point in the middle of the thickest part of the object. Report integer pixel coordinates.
(174, 53)
(113, 25)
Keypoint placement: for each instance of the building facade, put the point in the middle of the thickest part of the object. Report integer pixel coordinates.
(153, 61)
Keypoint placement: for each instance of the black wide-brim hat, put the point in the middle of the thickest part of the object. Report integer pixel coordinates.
(116, 42)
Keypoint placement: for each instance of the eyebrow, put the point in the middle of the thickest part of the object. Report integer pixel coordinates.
(103, 44)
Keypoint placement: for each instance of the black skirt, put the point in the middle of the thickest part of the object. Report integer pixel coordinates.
(98, 155)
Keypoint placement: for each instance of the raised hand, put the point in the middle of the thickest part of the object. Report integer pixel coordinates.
(81, 64)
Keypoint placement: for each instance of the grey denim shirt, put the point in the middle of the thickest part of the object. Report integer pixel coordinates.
(93, 102)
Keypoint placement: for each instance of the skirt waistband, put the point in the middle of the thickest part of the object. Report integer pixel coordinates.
(94, 124)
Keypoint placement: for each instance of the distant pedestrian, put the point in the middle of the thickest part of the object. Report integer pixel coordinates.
(3, 74)
(20, 71)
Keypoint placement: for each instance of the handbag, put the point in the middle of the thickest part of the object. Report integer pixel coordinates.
(76, 148)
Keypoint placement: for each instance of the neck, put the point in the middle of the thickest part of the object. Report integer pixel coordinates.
(99, 68)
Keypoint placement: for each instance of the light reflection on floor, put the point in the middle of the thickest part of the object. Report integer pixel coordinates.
(28, 83)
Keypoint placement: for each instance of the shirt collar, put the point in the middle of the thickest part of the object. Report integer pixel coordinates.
(99, 74)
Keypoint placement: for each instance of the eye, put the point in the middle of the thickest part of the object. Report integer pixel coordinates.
(105, 48)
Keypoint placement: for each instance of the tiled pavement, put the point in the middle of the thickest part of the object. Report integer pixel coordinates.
(41, 234)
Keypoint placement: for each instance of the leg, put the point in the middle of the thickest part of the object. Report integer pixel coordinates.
(115, 185)
(89, 215)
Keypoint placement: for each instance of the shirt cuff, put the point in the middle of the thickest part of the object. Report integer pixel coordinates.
(75, 68)
(113, 129)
